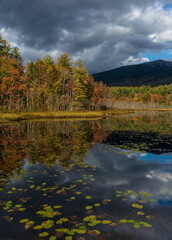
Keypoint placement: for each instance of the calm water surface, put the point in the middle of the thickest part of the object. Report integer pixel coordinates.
(95, 179)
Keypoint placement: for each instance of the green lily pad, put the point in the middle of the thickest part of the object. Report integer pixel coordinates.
(86, 219)
(145, 224)
(82, 227)
(24, 220)
(73, 198)
(118, 195)
(140, 213)
(118, 192)
(135, 205)
(22, 209)
(52, 238)
(68, 238)
(56, 207)
(18, 206)
(71, 233)
(97, 204)
(151, 200)
(106, 222)
(88, 207)
(44, 234)
(123, 221)
(88, 197)
(130, 221)
(136, 225)
(81, 231)
(38, 227)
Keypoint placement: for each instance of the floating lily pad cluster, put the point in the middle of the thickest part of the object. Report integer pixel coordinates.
(49, 221)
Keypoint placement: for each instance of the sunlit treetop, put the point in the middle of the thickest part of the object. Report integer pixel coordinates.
(7, 50)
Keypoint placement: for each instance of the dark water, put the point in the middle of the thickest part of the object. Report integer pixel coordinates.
(96, 179)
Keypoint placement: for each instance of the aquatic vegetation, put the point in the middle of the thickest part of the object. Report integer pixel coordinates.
(135, 205)
(97, 204)
(70, 226)
(44, 234)
(48, 212)
(52, 238)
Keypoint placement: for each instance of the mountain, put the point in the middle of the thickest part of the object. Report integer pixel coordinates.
(154, 73)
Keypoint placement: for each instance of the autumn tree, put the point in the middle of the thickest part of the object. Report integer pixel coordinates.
(80, 80)
(12, 79)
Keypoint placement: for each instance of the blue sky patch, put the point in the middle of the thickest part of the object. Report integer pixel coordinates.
(164, 54)
(167, 6)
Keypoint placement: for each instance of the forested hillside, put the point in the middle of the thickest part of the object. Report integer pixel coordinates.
(154, 73)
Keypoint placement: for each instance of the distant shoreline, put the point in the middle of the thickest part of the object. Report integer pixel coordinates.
(8, 117)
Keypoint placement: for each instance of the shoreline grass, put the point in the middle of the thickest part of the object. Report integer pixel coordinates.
(60, 115)
(168, 109)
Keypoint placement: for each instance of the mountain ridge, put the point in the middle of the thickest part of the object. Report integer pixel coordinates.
(154, 73)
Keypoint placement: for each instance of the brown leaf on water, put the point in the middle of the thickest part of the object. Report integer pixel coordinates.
(149, 217)
(77, 224)
(142, 201)
(113, 224)
(44, 205)
(2, 202)
(27, 226)
(92, 233)
(106, 201)
(74, 218)
(68, 200)
(89, 212)
(100, 216)
(124, 199)
(23, 200)
(8, 219)
(64, 193)
(59, 234)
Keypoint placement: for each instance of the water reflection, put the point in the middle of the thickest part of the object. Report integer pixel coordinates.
(130, 170)
(76, 169)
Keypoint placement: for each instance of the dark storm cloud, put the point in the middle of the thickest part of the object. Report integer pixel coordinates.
(102, 33)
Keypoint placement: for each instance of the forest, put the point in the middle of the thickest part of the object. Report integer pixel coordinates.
(161, 94)
(48, 85)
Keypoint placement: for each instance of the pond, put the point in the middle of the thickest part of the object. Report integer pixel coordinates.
(101, 179)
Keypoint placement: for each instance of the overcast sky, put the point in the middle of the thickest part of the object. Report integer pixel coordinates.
(105, 34)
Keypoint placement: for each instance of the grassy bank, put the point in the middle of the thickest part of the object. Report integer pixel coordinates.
(161, 109)
(4, 117)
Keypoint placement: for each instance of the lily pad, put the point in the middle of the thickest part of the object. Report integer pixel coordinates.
(123, 221)
(44, 234)
(97, 204)
(88, 207)
(106, 222)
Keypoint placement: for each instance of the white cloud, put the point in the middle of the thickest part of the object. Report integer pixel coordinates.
(134, 14)
(131, 60)
(159, 175)
(162, 37)
(10, 35)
